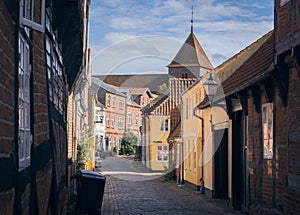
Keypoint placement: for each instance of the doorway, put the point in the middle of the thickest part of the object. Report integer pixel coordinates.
(221, 164)
(239, 161)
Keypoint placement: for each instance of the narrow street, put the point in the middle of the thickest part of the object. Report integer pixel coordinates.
(131, 190)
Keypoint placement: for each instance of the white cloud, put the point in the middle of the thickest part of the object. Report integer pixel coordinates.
(222, 27)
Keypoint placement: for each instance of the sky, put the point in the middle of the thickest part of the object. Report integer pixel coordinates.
(142, 37)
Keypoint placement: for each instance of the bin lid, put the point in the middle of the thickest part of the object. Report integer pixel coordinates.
(90, 174)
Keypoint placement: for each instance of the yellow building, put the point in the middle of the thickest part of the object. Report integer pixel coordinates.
(217, 159)
(192, 135)
(156, 129)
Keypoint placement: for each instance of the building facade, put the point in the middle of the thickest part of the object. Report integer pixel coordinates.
(156, 127)
(33, 102)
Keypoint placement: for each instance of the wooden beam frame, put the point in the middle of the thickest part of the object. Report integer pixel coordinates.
(243, 96)
(268, 90)
(256, 95)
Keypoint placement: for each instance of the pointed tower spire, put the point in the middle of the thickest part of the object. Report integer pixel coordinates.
(192, 20)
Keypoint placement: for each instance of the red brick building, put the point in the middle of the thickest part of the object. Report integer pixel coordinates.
(287, 58)
(41, 57)
(114, 102)
(262, 98)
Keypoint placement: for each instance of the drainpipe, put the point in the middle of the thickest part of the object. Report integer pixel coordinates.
(181, 151)
(202, 146)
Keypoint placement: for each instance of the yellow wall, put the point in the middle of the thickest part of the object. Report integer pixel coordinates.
(192, 134)
(154, 138)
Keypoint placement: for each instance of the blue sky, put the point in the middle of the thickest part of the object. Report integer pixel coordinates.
(134, 36)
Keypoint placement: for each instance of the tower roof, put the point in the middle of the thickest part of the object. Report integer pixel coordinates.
(191, 54)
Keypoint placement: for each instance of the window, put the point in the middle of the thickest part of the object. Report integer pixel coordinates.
(28, 11)
(120, 144)
(194, 157)
(120, 123)
(98, 117)
(186, 109)
(191, 106)
(143, 101)
(267, 123)
(113, 121)
(136, 119)
(129, 118)
(24, 136)
(113, 102)
(107, 121)
(56, 79)
(121, 104)
(282, 2)
(162, 153)
(108, 100)
(164, 125)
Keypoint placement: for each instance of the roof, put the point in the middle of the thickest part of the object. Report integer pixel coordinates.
(253, 69)
(175, 133)
(191, 54)
(155, 103)
(97, 83)
(233, 63)
(150, 81)
(137, 91)
(245, 68)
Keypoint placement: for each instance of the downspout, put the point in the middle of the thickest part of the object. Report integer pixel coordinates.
(181, 151)
(202, 146)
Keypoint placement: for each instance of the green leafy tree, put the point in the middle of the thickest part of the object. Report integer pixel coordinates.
(162, 88)
(129, 143)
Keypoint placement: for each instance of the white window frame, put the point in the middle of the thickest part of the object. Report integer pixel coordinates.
(113, 121)
(24, 134)
(108, 100)
(29, 22)
(121, 104)
(120, 123)
(113, 102)
(162, 151)
(136, 119)
(267, 130)
(129, 118)
(108, 121)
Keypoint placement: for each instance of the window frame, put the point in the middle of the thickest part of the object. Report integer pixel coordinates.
(107, 121)
(120, 123)
(113, 121)
(268, 142)
(25, 138)
(129, 115)
(163, 152)
(136, 119)
(164, 126)
(121, 104)
(29, 22)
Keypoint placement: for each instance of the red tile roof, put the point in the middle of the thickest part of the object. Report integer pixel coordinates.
(257, 65)
(175, 133)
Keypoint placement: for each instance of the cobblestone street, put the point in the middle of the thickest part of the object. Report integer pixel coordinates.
(154, 196)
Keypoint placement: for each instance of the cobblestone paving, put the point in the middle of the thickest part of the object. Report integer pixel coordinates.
(157, 197)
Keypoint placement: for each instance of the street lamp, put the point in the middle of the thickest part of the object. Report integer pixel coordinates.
(210, 86)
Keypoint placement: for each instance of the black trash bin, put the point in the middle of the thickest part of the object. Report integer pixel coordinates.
(90, 192)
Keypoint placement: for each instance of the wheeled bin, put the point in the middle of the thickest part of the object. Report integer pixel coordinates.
(90, 192)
